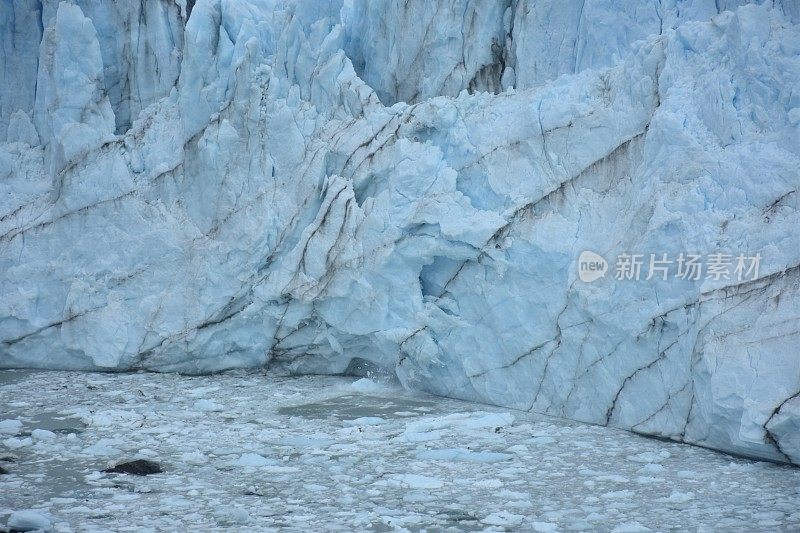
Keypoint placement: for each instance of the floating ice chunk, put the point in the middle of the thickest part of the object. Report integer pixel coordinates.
(232, 516)
(650, 457)
(279, 469)
(461, 421)
(504, 518)
(28, 520)
(194, 458)
(42, 434)
(652, 468)
(617, 494)
(202, 391)
(15, 443)
(301, 441)
(677, 496)
(487, 483)
(630, 527)
(10, 427)
(254, 460)
(364, 421)
(541, 440)
(367, 386)
(462, 455)
(614, 478)
(648, 480)
(208, 406)
(415, 481)
(424, 436)
(112, 417)
(104, 447)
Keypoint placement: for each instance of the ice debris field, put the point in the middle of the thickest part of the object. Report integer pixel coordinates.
(255, 452)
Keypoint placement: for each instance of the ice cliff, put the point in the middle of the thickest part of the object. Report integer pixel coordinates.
(407, 186)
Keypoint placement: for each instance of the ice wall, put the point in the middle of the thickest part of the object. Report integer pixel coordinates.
(407, 186)
(141, 44)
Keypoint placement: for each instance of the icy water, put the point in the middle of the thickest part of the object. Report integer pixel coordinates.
(253, 452)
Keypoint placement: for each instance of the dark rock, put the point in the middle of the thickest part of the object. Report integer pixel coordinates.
(3, 471)
(139, 467)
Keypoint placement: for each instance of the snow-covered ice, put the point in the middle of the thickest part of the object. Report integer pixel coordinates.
(289, 453)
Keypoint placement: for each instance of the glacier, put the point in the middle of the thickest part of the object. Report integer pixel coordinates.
(406, 187)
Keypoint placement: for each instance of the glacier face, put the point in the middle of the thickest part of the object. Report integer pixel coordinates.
(408, 186)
